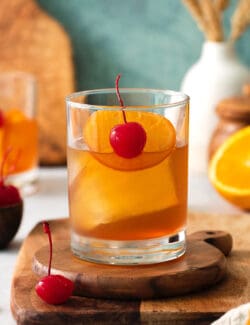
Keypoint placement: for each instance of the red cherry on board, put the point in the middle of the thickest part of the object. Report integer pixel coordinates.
(53, 289)
(128, 139)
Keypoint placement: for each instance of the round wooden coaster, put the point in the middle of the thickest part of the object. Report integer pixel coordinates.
(203, 265)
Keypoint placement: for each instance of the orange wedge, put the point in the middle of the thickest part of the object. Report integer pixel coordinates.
(229, 170)
(161, 138)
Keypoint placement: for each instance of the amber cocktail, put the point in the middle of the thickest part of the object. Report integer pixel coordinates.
(18, 130)
(128, 210)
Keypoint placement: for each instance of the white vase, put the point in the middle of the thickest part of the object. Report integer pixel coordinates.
(218, 74)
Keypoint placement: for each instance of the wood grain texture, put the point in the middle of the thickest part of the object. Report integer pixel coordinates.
(196, 308)
(33, 42)
(202, 266)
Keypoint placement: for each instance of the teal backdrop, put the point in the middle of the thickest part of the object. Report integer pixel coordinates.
(151, 42)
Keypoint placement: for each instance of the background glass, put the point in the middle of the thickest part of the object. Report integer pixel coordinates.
(19, 131)
(127, 211)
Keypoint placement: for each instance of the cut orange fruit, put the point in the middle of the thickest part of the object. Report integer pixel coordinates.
(229, 170)
(161, 138)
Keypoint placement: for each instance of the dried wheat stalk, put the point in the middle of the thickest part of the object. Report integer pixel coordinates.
(221, 5)
(241, 19)
(208, 15)
(194, 9)
(212, 20)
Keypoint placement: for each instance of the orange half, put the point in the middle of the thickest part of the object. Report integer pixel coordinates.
(229, 170)
(161, 138)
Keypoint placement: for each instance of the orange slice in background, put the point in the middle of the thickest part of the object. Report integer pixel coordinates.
(161, 138)
(229, 170)
(14, 115)
(20, 134)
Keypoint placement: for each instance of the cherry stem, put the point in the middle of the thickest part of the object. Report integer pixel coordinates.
(46, 230)
(5, 157)
(4, 160)
(119, 97)
(14, 163)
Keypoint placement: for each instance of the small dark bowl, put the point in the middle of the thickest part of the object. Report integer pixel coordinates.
(10, 220)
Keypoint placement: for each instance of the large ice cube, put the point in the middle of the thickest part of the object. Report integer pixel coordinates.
(101, 195)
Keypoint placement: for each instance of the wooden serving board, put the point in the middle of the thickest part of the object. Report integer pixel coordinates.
(196, 308)
(202, 266)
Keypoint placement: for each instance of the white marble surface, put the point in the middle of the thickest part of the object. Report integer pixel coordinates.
(50, 202)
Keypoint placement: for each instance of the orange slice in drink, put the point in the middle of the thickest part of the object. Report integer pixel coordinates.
(229, 170)
(161, 138)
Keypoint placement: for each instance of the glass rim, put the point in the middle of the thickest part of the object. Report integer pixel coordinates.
(184, 98)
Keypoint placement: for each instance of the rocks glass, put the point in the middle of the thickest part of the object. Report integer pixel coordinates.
(127, 210)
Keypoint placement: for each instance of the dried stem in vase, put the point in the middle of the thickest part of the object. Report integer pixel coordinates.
(241, 19)
(221, 5)
(195, 10)
(212, 20)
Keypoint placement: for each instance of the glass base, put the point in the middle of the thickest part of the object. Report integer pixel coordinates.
(131, 252)
(26, 182)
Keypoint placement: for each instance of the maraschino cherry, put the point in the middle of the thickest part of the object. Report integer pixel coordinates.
(9, 194)
(127, 139)
(53, 289)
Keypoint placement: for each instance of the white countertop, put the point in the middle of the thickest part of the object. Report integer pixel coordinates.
(51, 202)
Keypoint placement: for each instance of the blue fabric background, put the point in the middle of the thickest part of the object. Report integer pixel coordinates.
(151, 42)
